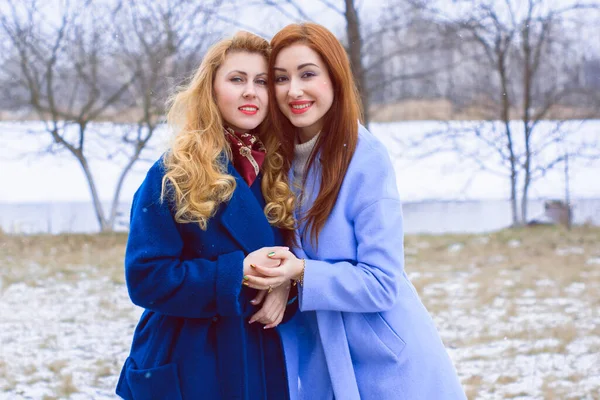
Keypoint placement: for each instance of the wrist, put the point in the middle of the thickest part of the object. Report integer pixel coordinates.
(299, 279)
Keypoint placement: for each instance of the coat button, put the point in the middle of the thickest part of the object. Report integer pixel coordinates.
(215, 319)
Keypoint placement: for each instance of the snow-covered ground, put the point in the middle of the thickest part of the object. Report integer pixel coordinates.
(64, 339)
(518, 313)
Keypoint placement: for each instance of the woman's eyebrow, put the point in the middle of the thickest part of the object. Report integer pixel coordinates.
(306, 65)
(298, 68)
(245, 73)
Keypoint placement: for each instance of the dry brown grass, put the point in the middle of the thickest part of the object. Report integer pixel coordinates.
(536, 243)
(530, 253)
(444, 110)
(33, 259)
(58, 365)
(66, 387)
(506, 379)
(473, 384)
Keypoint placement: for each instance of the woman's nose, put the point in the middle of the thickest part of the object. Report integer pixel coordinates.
(249, 91)
(295, 89)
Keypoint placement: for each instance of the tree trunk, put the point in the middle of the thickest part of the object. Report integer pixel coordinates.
(525, 195)
(527, 128)
(509, 138)
(513, 180)
(568, 193)
(115, 202)
(355, 54)
(104, 224)
(527, 171)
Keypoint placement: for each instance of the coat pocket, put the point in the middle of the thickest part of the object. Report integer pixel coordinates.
(385, 333)
(156, 383)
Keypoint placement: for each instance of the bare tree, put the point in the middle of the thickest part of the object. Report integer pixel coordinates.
(5, 103)
(61, 65)
(542, 37)
(496, 40)
(77, 69)
(519, 46)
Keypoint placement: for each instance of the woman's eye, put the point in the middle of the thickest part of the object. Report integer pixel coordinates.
(280, 78)
(236, 79)
(262, 82)
(308, 74)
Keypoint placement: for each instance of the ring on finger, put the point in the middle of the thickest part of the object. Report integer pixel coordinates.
(270, 289)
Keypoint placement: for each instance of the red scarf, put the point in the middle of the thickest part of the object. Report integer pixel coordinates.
(248, 154)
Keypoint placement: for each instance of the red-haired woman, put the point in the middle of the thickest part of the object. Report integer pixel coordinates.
(366, 334)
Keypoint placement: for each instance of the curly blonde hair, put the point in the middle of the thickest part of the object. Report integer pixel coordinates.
(196, 177)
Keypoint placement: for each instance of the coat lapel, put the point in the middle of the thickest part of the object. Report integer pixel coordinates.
(243, 217)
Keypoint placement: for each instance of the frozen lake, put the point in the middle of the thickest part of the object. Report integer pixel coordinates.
(473, 216)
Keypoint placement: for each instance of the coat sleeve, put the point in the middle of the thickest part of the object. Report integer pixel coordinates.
(157, 277)
(371, 281)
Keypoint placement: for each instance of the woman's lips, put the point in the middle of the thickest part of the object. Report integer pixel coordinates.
(248, 110)
(300, 107)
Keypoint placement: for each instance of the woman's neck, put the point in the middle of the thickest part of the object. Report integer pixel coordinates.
(234, 131)
(307, 134)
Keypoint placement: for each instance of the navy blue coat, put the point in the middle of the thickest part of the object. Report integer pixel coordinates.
(193, 340)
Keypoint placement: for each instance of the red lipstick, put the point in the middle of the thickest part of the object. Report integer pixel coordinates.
(248, 109)
(306, 105)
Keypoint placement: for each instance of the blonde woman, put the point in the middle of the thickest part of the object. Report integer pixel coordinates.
(215, 205)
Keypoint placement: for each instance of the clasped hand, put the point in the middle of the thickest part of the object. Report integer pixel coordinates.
(270, 270)
(270, 267)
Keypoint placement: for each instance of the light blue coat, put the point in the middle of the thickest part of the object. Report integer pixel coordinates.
(364, 333)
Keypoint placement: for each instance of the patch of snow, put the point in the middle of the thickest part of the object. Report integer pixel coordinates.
(565, 251)
(593, 261)
(455, 247)
(411, 251)
(482, 239)
(496, 259)
(545, 283)
(514, 243)
(575, 288)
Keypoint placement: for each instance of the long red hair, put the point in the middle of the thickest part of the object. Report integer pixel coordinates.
(337, 142)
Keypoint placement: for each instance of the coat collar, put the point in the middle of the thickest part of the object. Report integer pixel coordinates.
(243, 216)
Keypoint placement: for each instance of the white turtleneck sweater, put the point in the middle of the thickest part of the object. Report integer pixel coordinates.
(301, 155)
